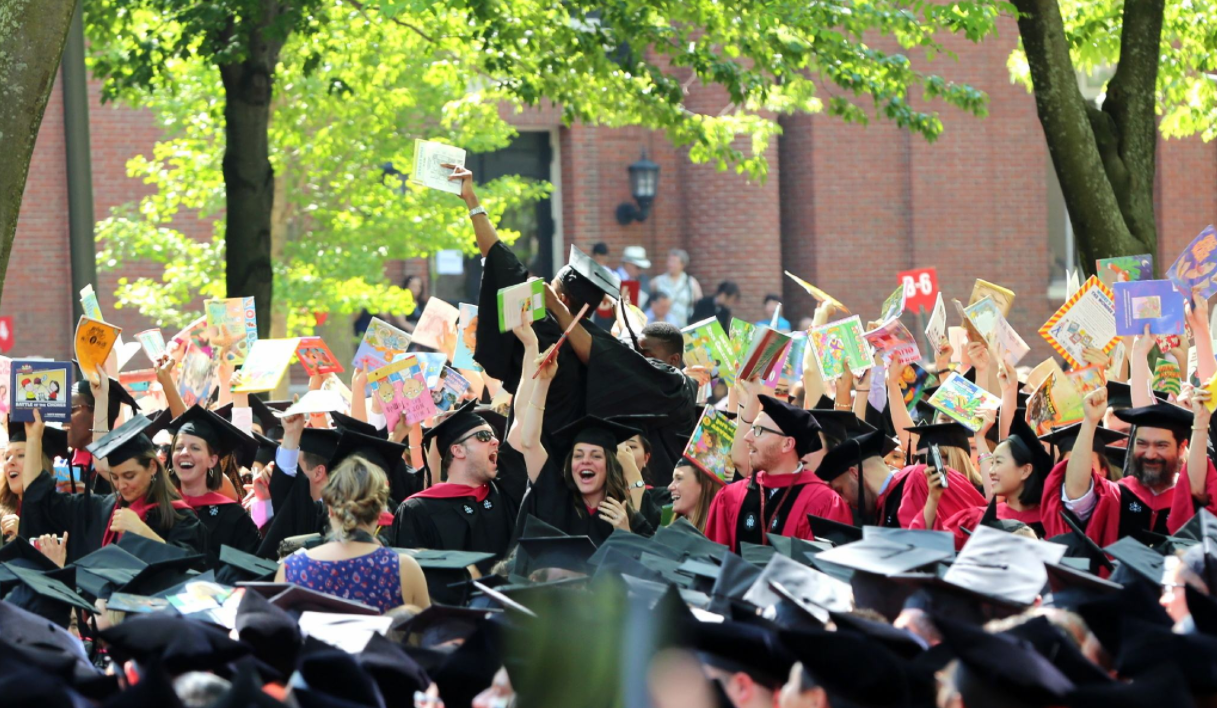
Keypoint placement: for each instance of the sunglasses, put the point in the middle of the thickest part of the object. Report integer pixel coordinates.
(481, 435)
(166, 449)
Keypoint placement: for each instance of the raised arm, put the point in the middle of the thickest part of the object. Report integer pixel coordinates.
(359, 393)
(483, 230)
(748, 390)
(1197, 448)
(1008, 380)
(164, 376)
(1078, 470)
(32, 468)
(1140, 380)
(1198, 318)
(901, 418)
(523, 396)
(980, 438)
(580, 340)
(534, 452)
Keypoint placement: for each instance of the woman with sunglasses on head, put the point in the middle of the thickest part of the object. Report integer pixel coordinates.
(54, 444)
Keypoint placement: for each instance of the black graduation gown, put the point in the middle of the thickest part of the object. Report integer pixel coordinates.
(623, 382)
(295, 513)
(457, 524)
(551, 501)
(86, 518)
(227, 525)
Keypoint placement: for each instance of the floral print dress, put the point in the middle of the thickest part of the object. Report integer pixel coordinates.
(373, 579)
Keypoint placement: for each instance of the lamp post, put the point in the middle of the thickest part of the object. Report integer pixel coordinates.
(644, 182)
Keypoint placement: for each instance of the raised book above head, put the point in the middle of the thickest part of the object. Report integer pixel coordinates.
(521, 302)
(427, 170)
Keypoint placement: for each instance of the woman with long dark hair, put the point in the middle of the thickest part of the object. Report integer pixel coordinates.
(54, 444)
(692, 491)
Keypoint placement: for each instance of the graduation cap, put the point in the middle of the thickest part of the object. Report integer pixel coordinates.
(1053, 644)
(345, 422)
(943, 434)
(264, 413)
(497, 421)
(588, 281)
(180, 644)
(851, 667)
(1145, 644)
(1160, 415)
(222, 437)
(683, 536)
(566, 552)
(884, 557)
(446, 571)
(47, 594)
(1136, 557)
(99, 572)
(448, 431)
(1106, 615)
(118, 395)
(1119, 395)
(239, 566)
(383, 453)
(1003, 566)
(596, 431)
(839, 425)
(1079, 545)
(794, 422)
(54, 440)
(124, 442)
(393, 670)
(735, 577)
(1116, 456)
(1063, 438)
(941, 541)
(833, 531)
(996, 664)
(266, 449)
(440, 624)
(321, 442)
(302, 599)
(852, 453)
(18, 552)
(736, 647)
(815, 591)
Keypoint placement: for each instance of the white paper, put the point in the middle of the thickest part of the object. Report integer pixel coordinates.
(936, 328)
(430, 325)
(449, 262)
(319, 401)
(350, 633)
(428, 156)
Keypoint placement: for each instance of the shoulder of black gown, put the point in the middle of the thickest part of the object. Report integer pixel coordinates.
(281, 485)
(413, 525)
(187, 531)
(512, 478)
(623, 382)
(298, 516)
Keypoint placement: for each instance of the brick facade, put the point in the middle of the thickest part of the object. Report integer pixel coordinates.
(846, 207)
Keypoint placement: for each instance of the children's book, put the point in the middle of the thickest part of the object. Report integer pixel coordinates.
(841, 347)
(437, 317)
(914, 380)
(936, 327)
(1156, 303)
(817, 293)
(1054, 403)
(520, 302)
(94, 340)
(988, 320)
(1089, 379)
(433, 364)
(40, 385)
(265, 365)
(1211, 387)
(448, 392)
(143, 387)
(964, 401)
(426, 170)
(317, 401)
(763, 354)
(792, 367)
(381, 342)
(153, 344)
(233, 323)
(466, 338)
(403, 392)
(1167, 377)
(709, 448)
(1124, 269)
(741, 338)
(123, 351)
(893, 306)
(1086, 320)
(197, 376)
(894, 343)
(706, 344)
(1196, 267)
(316, 357)
(1003, 297)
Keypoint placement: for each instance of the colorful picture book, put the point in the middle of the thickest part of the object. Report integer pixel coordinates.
(143, 387)
(520, 302)
(466, 338)
(433, 364)
(988, 320)
(841, 347)
(1124, 269)
(1156, 303)
(232, 322)
(1003, 297)
(1054, 403)
(426, 170)
(741, 338)
(437, 319)
(197, 375)
(316, 357)
(706, 344)
(402, 391)
(448, 392)
(1086, 320)
(764, 353)
(94, 341)
(894, 343)
(817, 293)
(381, 342)
(153, 344)
(792, 366)
(709, 448)
(1091, 378)
(123, 351)
(265, 365)
(1211, 387)
(1167, 377)
(936, 327)
(893, 306)
(914, 380)
(1196, 267)
(963, 401)
(40, 385)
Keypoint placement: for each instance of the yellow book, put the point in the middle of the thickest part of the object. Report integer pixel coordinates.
(265, 365)
(1211, 387)
(1002, 297)
(817, 293)
(94, 340)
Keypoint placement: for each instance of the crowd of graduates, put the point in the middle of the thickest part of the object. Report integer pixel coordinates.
(560, 550)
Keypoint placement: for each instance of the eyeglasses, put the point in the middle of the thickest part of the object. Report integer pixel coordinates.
(164, 449)
(759, 430)
(481, 435)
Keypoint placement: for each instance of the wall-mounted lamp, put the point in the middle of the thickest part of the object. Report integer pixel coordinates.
(644, 182)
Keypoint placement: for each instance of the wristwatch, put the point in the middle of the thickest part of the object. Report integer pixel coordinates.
(639, 485)
(477, 210)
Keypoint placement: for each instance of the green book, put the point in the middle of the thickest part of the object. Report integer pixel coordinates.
(709, 448)
(706, 344)
(841, 347)
(522, 302)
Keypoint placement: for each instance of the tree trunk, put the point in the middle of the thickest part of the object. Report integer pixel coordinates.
(249, 180)
(1104, 159)
(32, 37)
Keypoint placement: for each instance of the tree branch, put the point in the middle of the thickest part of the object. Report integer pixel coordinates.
(363, 11)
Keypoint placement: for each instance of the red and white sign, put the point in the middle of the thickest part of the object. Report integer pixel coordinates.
(6, 334)
(920, 288)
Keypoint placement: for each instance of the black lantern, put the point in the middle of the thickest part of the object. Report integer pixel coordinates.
(644, 182)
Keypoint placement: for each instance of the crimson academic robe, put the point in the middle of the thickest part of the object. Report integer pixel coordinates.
(1123, 508)
(966, 521)
(1184, 506)
(908, 490)
(735, 514)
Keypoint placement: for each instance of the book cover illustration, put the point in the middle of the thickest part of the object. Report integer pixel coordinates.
(840, 347)
(520, 302)
(402, 391)
(316, 357)
(988, 320)
(1053, 404)
(706, 344)
(936, 327)
(40, 385)
(764, 354)
(153, 344)
(893, 306)
(893, 341)
(94, 341)
(914, 380)
(432, 363)
(143, 387)
(1003, 297)
(197, 376)
(963, 401)
(709, 448)
(466, 338)
(1124, 269)
(1156, 303)
(741, 338)
(1167, 377)
(232, 323)
(817, 293)
(437, 321)
(426, 170)
(1086, 320)
(265, 365)
(448, 392)
(1194, 268)
(792, 366)
(123, 351)
(1089, 379)
(381, 342)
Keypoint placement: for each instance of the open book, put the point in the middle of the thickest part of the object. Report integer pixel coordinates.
(426, 170)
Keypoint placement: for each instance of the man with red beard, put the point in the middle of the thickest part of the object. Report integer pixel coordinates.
(1142, 500)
